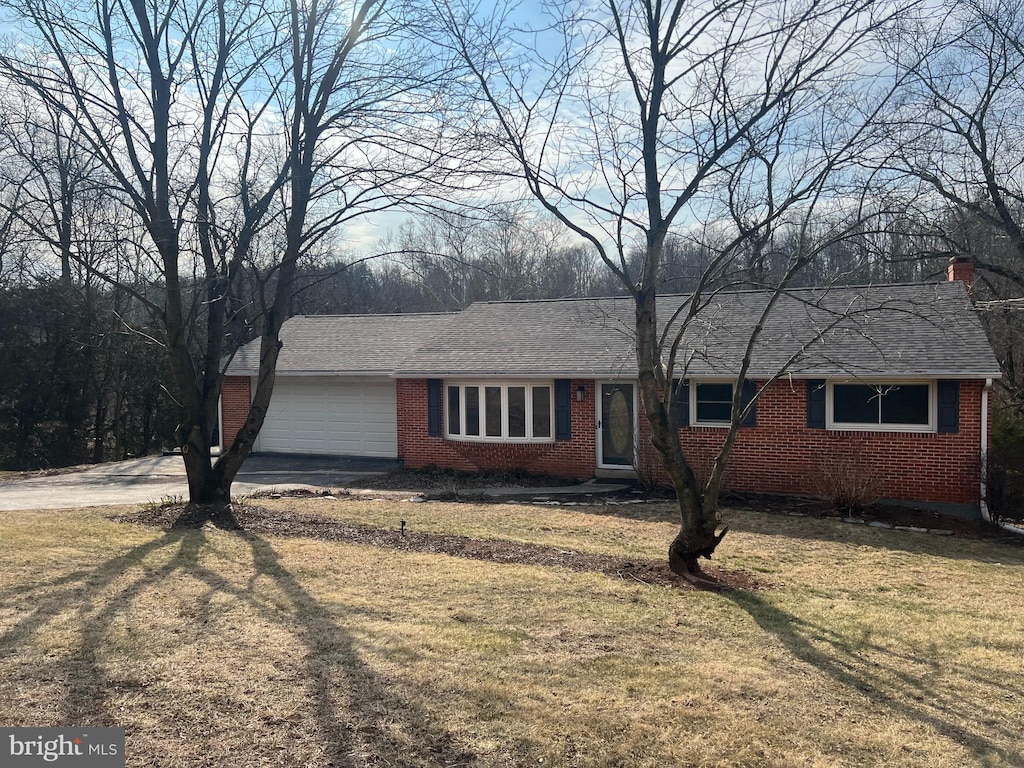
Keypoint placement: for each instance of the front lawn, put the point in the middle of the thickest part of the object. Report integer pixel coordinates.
(219, 648)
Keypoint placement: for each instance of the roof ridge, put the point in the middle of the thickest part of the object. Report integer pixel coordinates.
(383, 314)
(833, 287)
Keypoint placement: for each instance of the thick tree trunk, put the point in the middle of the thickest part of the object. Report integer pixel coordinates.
(698, 519)
(698, 534)
(98, 431)
(689, 546)
(207, 484)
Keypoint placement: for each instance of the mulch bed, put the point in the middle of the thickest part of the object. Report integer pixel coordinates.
(259, 520)
(453, 485)
(892, 514)
(455, 481)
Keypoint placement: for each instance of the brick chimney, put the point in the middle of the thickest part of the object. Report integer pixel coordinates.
(962, 268)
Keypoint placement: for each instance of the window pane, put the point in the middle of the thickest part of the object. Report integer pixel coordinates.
(517, 411)
(454, 419)
(855, 404)
(492, 409)
(472, 410)
(714, 402)
(713, 411)
(905, 404)
(542, 411)
(714, 393)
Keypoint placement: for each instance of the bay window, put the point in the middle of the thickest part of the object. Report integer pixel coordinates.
(515, 411)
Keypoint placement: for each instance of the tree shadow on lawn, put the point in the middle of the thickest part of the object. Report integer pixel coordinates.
(881, 674)
(830, 529)
(1008, 551)
(361, 722)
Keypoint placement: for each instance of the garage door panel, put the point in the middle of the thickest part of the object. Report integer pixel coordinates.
(349, 448)
(332, 416)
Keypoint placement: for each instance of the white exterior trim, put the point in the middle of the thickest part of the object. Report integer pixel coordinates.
(598, 417)
(986, 515)
(931, 426)
(503, 384)
(693, 382)
(220, 418)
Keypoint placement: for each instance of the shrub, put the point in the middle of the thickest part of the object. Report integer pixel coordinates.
(847, 485)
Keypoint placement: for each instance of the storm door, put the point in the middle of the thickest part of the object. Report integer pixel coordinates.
(617, 425)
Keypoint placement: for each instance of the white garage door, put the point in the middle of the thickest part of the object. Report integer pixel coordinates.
(353, 417)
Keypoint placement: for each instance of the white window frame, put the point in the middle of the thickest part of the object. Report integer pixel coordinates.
(933, 407)
(694, 422)
(504, 385)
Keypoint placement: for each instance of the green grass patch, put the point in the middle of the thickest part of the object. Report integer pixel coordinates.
(215, 648)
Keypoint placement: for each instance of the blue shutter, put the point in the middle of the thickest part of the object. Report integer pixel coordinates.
(683, 404)
(746, 395)
(434, 407)
(815, 403)
(563, 409)
(949, 406)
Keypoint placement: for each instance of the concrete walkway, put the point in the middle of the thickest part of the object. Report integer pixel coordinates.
(595, 487)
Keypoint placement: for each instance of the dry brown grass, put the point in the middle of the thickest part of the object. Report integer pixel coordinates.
(219, 649)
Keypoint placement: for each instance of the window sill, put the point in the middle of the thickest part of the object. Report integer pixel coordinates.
(500, 440)
(905, 429)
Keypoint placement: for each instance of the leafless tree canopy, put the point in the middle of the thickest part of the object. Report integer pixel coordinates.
(238, 134)
(729, 123)
(199, 161)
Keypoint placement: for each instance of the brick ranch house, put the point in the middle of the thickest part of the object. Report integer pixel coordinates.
(890, 382)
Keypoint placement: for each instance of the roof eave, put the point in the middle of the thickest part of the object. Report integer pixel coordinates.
(756, 375)
(318, 372)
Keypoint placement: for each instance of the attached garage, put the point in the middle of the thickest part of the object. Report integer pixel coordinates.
(335, 390)
(334, 416)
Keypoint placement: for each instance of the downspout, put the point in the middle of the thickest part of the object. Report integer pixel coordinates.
(220, 425)
(986, 516)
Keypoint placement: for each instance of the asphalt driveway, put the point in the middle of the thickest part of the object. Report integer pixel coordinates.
(153, 478)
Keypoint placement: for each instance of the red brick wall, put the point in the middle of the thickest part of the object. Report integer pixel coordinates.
(235, 399)
(781, 455)
(566, 458)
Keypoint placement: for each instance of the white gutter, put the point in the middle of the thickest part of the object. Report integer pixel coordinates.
(986, 515)
(984, 451)
(220, 423)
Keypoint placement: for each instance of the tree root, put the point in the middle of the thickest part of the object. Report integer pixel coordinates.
(684, 554)
(703, 582)
(219, 514)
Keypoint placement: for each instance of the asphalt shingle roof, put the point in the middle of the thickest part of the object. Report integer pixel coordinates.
(906, 330)
(345, 344)
(914, 330)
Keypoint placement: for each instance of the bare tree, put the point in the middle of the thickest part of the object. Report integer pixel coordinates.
(54, 190)
(726, 121)
(956, 134)
(958, 125)
(226, 127)
(497, 252)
